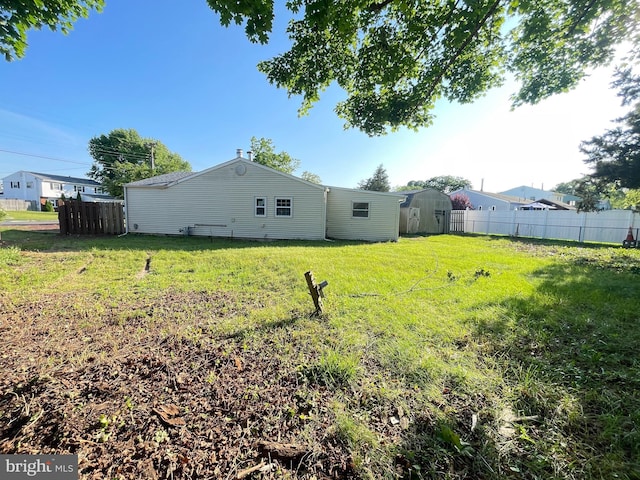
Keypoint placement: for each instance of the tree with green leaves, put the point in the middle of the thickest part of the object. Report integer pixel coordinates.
(264, 153)
(311, 177)
(379, 182)
(447, 183)
(590, 192)
(123, 156)
(19, 16)
(615, 155)
(396, 58)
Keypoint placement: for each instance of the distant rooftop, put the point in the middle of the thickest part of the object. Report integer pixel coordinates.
(63, 179)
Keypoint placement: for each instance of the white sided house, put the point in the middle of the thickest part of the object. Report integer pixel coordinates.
(243, 199)
(38, 188)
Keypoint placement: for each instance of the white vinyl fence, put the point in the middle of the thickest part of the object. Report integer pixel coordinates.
(611, 226)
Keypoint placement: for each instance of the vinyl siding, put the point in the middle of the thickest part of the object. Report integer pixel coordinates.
(219, 202)
(381, 224)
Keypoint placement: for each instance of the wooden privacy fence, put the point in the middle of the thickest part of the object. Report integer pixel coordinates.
(90, 218)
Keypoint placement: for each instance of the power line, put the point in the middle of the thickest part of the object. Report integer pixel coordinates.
(45, 157)
(113, 151)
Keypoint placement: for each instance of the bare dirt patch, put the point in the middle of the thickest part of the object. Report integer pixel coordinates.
(136, 397)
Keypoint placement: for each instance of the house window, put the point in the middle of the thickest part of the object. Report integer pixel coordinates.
(493, 207)
(284, 207)
(78, 188)
(261, 206)
(360, 209)
(29, 184)
(56, 186)
(15, 184)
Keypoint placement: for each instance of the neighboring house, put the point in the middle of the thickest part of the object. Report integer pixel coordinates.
(243, 199)
(562, 201)
(490, 201)
(39, 188)
(425, 211)
(531, 194)
(544, 204)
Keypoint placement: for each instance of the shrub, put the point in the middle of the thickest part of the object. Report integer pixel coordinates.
(47, 207)
(461, 202)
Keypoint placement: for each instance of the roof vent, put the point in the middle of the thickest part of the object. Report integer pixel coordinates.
(250, 155)
(239, 152)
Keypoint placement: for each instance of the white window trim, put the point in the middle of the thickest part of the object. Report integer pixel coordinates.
(290, 207)
(368, 210)
(256, 206)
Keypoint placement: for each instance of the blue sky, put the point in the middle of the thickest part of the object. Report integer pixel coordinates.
(179, 77)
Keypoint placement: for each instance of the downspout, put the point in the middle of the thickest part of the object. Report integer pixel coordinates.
(401, 201)
(326, 194)
(126, 215)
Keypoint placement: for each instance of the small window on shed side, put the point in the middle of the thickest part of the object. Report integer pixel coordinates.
(360, 209)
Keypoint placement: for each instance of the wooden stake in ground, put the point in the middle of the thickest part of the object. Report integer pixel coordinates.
(315, 290)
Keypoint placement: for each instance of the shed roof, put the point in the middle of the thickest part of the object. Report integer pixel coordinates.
(411, 193)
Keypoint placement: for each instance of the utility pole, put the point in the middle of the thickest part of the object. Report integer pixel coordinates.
(153, 160)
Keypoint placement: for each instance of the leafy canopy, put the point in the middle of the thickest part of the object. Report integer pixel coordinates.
(123, 156)
(311, 177)
(615, 155)
(379, 182)
(19, 16)
(264, 153)
(396, 58)
(442, 183)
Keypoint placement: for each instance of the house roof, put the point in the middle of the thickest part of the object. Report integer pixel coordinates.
(497, 196)
(555, 204)
(161, 180)
(62, 179)
(399, 195)
(170, 179)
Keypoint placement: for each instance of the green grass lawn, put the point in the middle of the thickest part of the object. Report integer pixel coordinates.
(29, 215)
(436, 357)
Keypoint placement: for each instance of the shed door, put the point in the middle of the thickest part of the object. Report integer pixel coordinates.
(441, 222)
(413, 221)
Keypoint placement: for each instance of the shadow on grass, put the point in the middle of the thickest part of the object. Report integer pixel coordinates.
(570, 362)
(571, 359)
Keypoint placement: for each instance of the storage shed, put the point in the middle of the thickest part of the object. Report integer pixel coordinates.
(425, 211)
